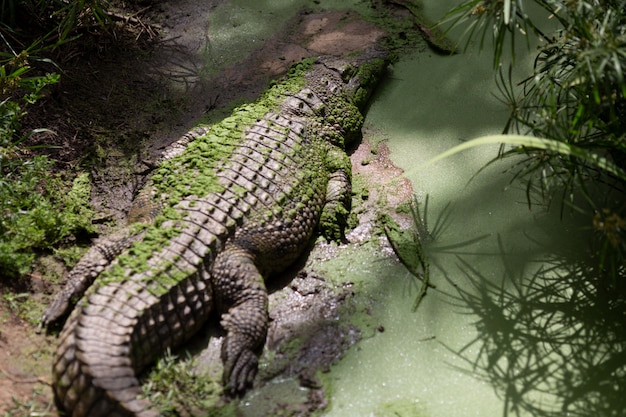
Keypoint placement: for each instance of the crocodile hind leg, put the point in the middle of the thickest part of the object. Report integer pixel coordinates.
(144, 209)
(97, 258)
(243, 303)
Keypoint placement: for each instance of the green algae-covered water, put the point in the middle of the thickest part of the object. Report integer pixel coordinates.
(411, 369)
(452, 357)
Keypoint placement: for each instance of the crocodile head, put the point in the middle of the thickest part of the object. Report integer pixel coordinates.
(361, 72)
(350, 80)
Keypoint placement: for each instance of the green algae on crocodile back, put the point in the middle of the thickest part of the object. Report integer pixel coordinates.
(241, 201)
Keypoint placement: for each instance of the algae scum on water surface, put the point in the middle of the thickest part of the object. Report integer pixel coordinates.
(472, 347)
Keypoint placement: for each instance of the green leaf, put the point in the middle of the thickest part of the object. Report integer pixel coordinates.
(531, 142)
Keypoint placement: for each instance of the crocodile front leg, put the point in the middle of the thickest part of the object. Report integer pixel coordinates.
(334, 218)
(243, 302)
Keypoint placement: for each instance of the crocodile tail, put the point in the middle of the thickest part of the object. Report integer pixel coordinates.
(114, 335)
(98, 382)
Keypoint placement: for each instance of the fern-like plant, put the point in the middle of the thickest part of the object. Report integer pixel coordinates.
(570, 111)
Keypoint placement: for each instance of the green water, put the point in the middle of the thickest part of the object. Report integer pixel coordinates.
(430, 105)
(421, 364)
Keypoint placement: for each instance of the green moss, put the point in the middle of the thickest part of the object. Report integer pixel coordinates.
(54, 265)
(175, 388)
(343, 112)
(360, 194)
(405, 207)
(360, 189)
(78, 210)
(368, 75)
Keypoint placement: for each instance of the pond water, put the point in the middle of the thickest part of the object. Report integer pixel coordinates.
(411, 369)
(487, 240)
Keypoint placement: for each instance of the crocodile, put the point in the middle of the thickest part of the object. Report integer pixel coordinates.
(225, 207)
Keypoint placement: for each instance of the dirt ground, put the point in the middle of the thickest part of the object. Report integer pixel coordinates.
(120, 103)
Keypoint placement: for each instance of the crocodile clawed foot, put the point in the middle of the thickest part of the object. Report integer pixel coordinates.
(240, 368)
